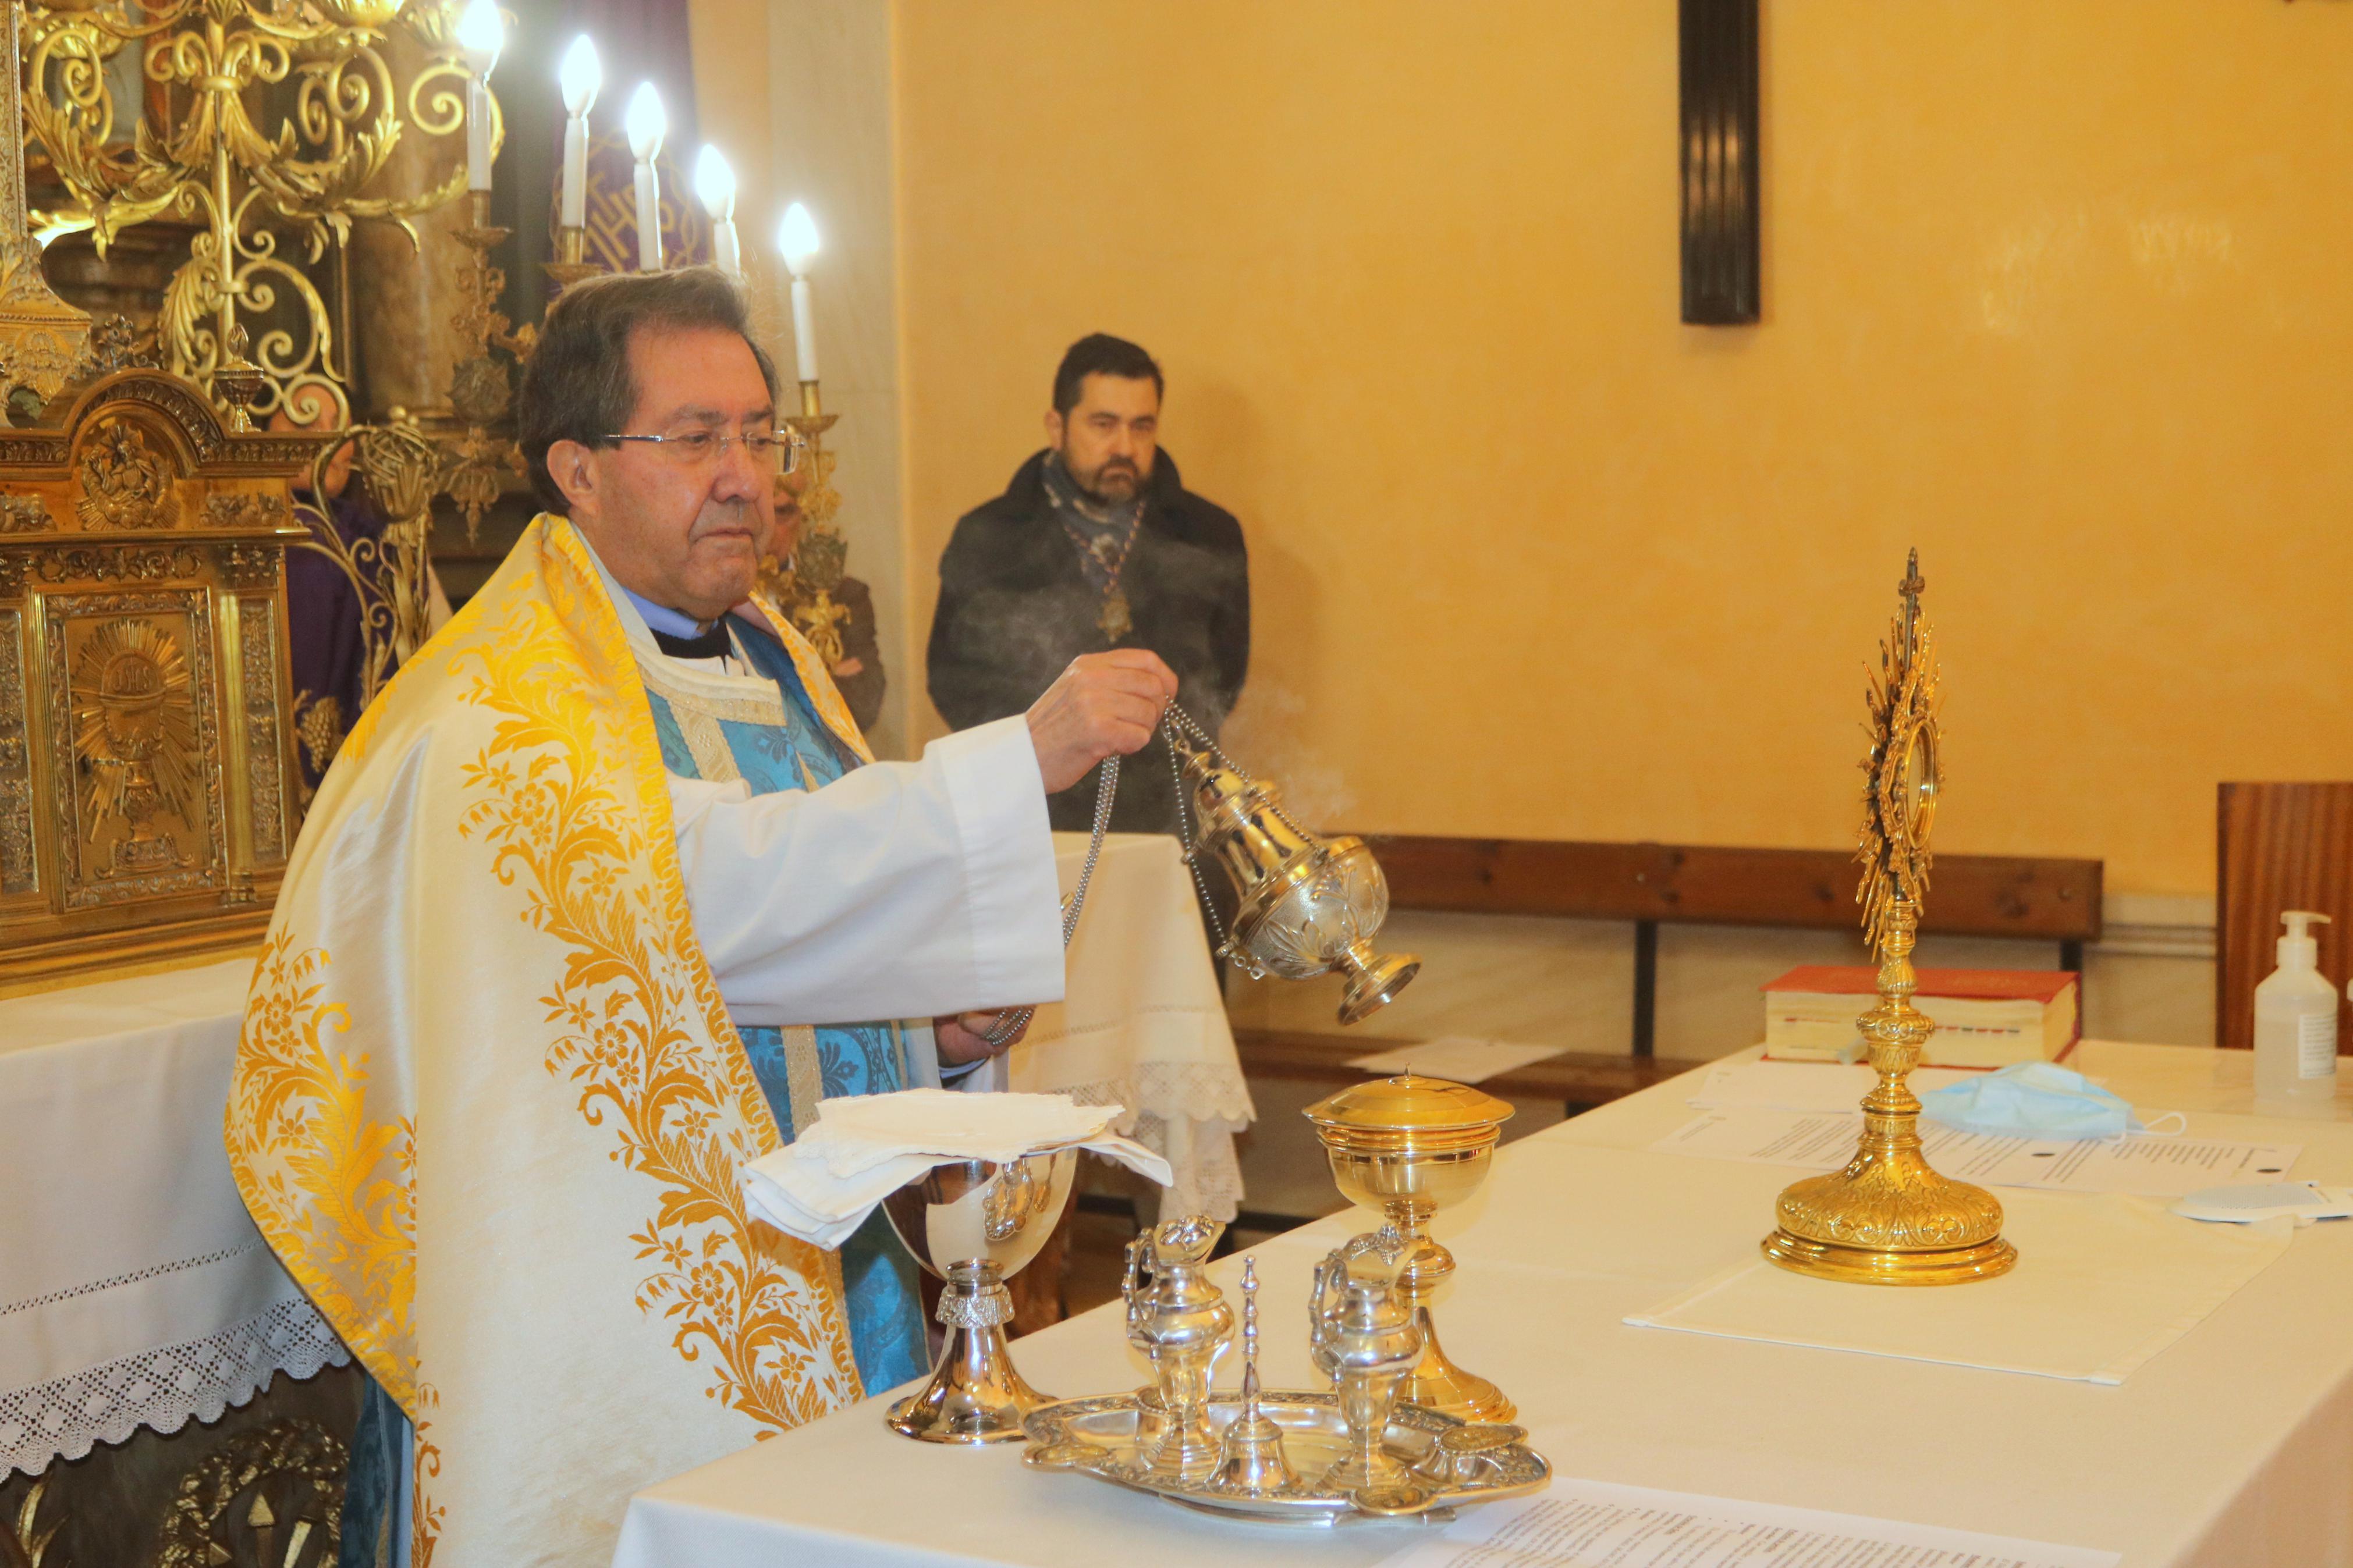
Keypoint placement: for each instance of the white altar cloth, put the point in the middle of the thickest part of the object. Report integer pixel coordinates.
(2229, 1449)
(1144, 1024)
(134, 1291)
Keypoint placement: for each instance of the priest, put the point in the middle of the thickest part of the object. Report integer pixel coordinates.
(602, 895)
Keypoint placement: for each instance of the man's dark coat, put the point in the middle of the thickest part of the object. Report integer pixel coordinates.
(1015, 607)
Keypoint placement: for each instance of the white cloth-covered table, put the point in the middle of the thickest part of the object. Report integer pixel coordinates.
(1144, 1025)
(2230, 1448)
(134, 1291)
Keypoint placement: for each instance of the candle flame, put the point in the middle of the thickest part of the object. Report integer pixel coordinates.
(481, 33)
(797, 238)
(715, 183)
(646, 123)
(581, 74)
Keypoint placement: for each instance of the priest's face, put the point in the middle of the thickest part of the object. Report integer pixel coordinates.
(1108, 439)
(682, 529)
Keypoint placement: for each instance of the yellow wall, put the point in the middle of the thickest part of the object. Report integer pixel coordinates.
(2059, 291)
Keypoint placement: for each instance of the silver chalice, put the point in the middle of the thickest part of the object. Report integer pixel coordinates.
(973, 1224)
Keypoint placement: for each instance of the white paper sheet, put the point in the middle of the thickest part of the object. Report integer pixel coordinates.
(2142, 1166)
(1594, 1524)
(1456, 1058)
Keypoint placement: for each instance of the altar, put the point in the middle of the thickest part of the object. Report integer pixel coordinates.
(139, 1294)
(2229, 1448)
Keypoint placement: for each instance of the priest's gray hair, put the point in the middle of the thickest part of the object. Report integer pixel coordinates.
(577, 388)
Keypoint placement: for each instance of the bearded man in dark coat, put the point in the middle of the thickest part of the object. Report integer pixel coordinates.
(1095, 544)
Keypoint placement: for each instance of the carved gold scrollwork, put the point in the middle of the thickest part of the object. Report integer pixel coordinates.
(116, 563)
(277, 1492)
(249, 566)
(18, 873)
(259, 643)
(273, 194)
(123, 482)
(31, 1543)
(25, 514)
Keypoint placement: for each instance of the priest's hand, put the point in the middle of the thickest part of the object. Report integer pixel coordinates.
(1104, 704)
(963, 1038)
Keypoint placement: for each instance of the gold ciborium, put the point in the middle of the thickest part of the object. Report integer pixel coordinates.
(1888, 1218)
(1308, 905)
(973, 1224)
(1409, 1146)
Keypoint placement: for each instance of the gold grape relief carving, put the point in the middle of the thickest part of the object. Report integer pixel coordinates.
(18, 873)
(263, 768)
(123, 482)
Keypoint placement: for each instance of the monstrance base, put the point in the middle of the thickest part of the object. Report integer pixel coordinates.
(1438, 1384)
(1866, 1266)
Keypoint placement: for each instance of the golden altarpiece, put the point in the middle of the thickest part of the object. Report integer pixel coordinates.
(146, 761)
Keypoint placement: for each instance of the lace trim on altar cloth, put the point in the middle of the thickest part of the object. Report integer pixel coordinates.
(161, 1389)
(1188, 1113)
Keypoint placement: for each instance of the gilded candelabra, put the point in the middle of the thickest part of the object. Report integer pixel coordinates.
(1888, 1218)
(805, 588)
(225, 66)
(481, 385)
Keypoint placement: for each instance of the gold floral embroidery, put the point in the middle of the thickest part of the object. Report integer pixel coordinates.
(426, 1516)
(547, 795)
(331, 1190)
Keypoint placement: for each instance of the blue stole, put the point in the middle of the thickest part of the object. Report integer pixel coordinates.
(886, 1323)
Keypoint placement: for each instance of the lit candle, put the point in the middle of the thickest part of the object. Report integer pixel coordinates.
(714, 186)
(481, 33)
(646, 125)
(798, 239)
(580, 75)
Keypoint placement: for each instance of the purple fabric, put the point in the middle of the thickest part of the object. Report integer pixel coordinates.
(323, 613)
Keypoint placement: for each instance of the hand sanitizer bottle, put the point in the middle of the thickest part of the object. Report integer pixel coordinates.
(2296, 1027)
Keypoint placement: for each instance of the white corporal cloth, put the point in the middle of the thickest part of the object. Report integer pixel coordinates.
(135, 1289)
(1143, 1024)
(862, 1149)
(2227, 1449)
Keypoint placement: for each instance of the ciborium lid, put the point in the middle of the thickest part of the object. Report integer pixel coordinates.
(1409, 1109)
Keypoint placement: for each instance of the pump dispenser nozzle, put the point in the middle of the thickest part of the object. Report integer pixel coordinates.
(2299, 949)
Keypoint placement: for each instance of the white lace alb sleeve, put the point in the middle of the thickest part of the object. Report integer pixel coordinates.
(900, 890)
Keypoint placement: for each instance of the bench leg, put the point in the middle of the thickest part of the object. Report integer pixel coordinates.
(1646, 987)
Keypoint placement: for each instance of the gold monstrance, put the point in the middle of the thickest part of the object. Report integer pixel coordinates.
(1888, 1218)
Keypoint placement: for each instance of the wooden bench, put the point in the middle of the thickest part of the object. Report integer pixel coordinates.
(1578, 1079)
(1667, 884)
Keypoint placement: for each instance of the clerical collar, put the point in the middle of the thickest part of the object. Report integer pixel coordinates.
(680, 634)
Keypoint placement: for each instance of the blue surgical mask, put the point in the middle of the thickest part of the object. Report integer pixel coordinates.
(2032, 1100)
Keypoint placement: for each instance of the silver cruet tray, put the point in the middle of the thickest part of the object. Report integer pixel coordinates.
(1450, 1464)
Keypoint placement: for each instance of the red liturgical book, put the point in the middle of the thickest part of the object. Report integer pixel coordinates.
(1985, 1018)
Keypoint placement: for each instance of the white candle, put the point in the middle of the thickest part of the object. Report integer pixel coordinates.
(646, 125)
(581, 74)
(714, 186)
(797, 238)
(481, 33)
(804, 331)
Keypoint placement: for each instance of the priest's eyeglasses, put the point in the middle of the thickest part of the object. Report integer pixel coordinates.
(708, 448)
